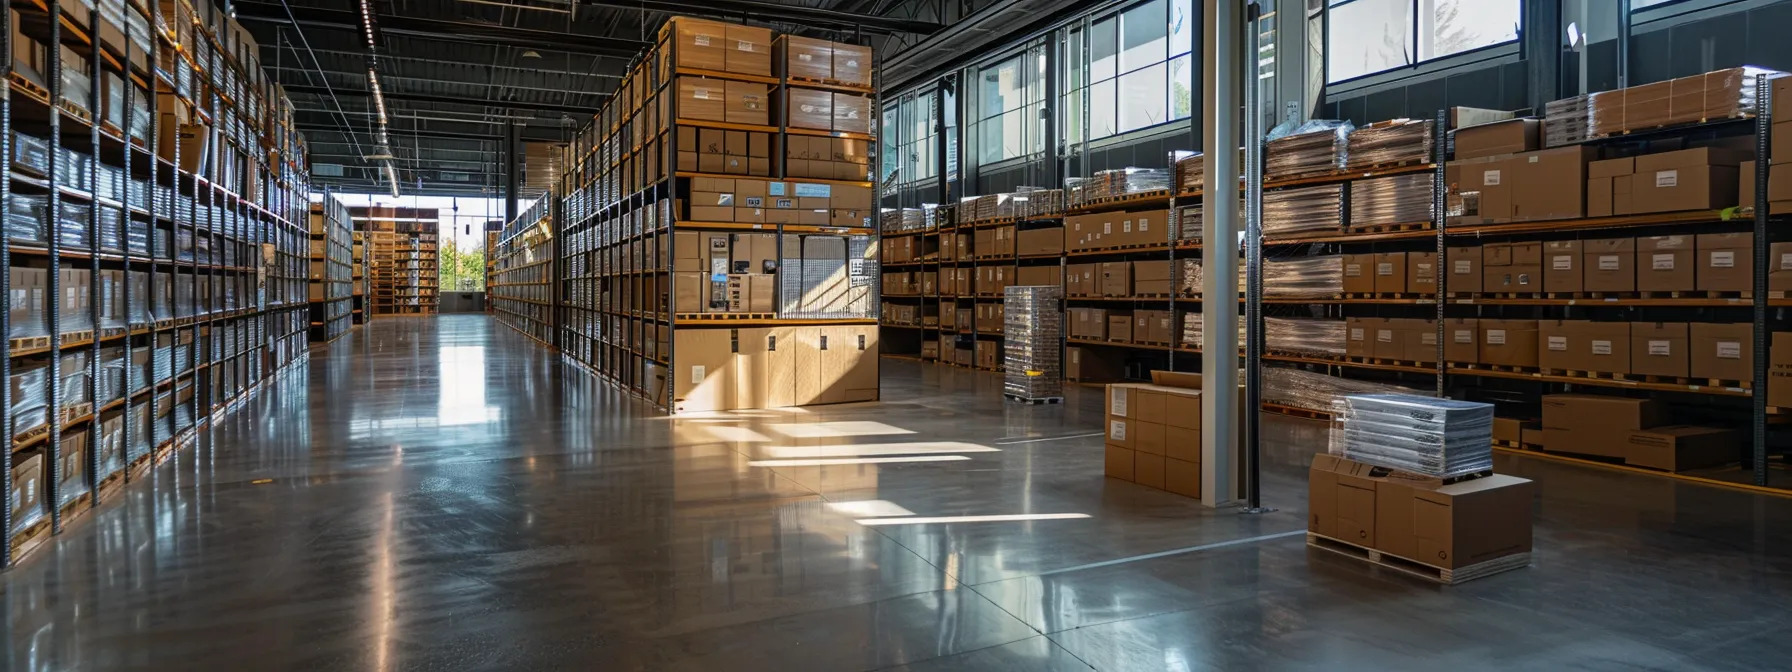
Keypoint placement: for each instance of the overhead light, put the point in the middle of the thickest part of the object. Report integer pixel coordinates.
(531, 53)
(875, 522)
(379, 157)
(379, 99)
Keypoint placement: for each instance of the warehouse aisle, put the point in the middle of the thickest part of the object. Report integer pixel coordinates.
(443, 494)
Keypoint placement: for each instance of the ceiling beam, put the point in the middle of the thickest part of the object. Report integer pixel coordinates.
(386, 76)
(440, 135)
(434, 29)
(762, 11)
(446, 100)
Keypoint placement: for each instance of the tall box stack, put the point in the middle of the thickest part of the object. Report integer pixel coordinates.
(1434, 437)
(1033, 328)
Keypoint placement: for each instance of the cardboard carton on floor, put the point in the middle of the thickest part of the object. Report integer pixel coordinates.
(1508, 429)
(1419, 519)
(1681, 448)
(1594, 424)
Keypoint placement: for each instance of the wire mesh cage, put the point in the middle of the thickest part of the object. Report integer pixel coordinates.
(828, 277)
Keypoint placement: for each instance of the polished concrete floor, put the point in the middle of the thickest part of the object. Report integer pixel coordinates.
(442, 494)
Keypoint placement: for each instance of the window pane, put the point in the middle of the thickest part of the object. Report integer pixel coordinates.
(1367, 36)
(888, 141)
(1143, 36)
(989, 140)
(1102, 53)
(1071, 112)
(1182, 86)
(1036, 77)
(1142, 99)
(1074, 72)
(1464, 25)
(1014, 133)
(1182, 26)
(951, 126)
(1001, 87)
(1101, 110)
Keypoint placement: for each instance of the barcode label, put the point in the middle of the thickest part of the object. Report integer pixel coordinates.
(1464, 267)
(1384, 269)
(1490, 178)
(1117, 430)
(1465, 336)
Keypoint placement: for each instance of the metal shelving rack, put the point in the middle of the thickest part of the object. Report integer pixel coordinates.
(331, 290)
(616, 317)
(138, 246)
(523, 271)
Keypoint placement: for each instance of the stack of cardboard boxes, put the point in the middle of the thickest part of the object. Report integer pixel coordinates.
(809, 59)
(1390, 273)
(717, 272)
(826, 158)
(1116, 229)
(1634, 430)
(776, 202)
(711, 150)
(1154, 434)
(728, 369)
(1419, 519)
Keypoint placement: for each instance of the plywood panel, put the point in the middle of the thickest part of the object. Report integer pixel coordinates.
(703, 375)
(807, 365)
(781, 368)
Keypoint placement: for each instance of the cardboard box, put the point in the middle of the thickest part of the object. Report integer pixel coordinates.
(1390, 272)
(1359, 274)
(1464, 275)
(703, 99)
(852, 64)
(1722, 351)
(1183, 477)
(1456, 525)
(27, 487)
(749, 50)
(1602, 178)
(1462, 340)
(1665, 264)
(1388, 340)
(1551, 184)
(808, 108)
(1359, 340)
(1681, 448)
(852, 113)
(1594, 424)
(1116, 278)
(1779, 370)
(1779, 181)
(701, 44)
(1582, 345)
(1562, 266)
(1148, 469)
(1119, 463)
(1148, 438)
(1704, 178)
(1421, 341)
(1508, 342)
(690, 292)
(1040, 242)
(1093, 364)
(1498, 138)
(1150, 278)
(1726, 262)
(1421, 273)
(1608, 265)
(1508, 429)
(1491, 180)
(1341, 500)
(1120, 328)
(1660, 349)
(807, 58)
(704, 375)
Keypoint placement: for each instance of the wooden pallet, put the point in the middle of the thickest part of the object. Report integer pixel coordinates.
(1122, 248)
(1393, 228)
(1303, 235)
(1164, 297)
(76, 111)
(1473, 366)
(28, 539)
(1511, 295)
(1658, 127)
(75, 507)
(30, 435)
(1719, 382)
(1039, 401)
(1592, 375)
(1696, 294)
(28, 343)
(1662, 380)
(724, 317)
(1122, 200)
(82, 336)
(799, 81)
(1441, 575)
(1384, 165)
(68, 415)
(1383, 295)
(22, 83)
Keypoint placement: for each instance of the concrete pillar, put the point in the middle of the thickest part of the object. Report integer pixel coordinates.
(1221, 82)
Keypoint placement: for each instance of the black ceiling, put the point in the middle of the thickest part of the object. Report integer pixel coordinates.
(454, 72)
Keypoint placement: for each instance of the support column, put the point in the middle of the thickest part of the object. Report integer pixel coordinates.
(1221, 83)
(513, 169)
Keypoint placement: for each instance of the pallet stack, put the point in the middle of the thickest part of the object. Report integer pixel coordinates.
(724, 196)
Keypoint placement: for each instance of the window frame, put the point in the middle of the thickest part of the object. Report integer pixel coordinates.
(1501, 52)
(1072, 139)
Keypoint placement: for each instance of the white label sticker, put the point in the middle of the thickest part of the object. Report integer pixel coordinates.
(1660, 348)
(1667, 178)
(1356, 270)
(1144, 225)
(1785, 261)
(1608, 262)
(743, 45)
(1356, 334)
(698, 373)
(1524, 279)
(701, 40)
(1118, 407)
(1729, 350)
(1428, 338)
(1126, 226)
(1117, 430)
(1496, 336)
(1384, 269)
(1558, 343)
(1464, 267)
(1384, 335)
(805, 57)
(700, 94)
(1662, 262)
(1107, 227)
(1723, 259)
(1562, 262)
(1490, 178)
(1602, 347)
(1465, 336)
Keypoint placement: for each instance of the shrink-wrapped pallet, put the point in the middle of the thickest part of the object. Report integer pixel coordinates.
(1033, 335)
(1401, 199)
(1435, 437)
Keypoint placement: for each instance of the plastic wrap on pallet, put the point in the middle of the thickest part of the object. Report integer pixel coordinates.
(1422, 435)
(1188, 223)
(1303, 335)
(31, 152)
(1033, 333)
(73, 454)
(1316, 391)
(1191, 330)
(72, 391)
(1394, 142)
(1191, 170)
(1118, 183)
(1401, 199)
(1317, 147)
(1301, 276)
(1188, 277)
(25, 217)
(1565, 121)
(30, 398)
(1303, 210)
(1730, 93)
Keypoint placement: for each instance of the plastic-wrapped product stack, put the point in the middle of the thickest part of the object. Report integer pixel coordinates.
(1188, 223)
(1317, 147)
(1115, 184)
(1565, 121)
(1435, 437)
(1033, 325)
(1188, 278)
(1191, 171)
(1401, 199)
(1394, 142)
(1301, 276)
(1317, 391)
(1303, 335)
(1306, 210)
